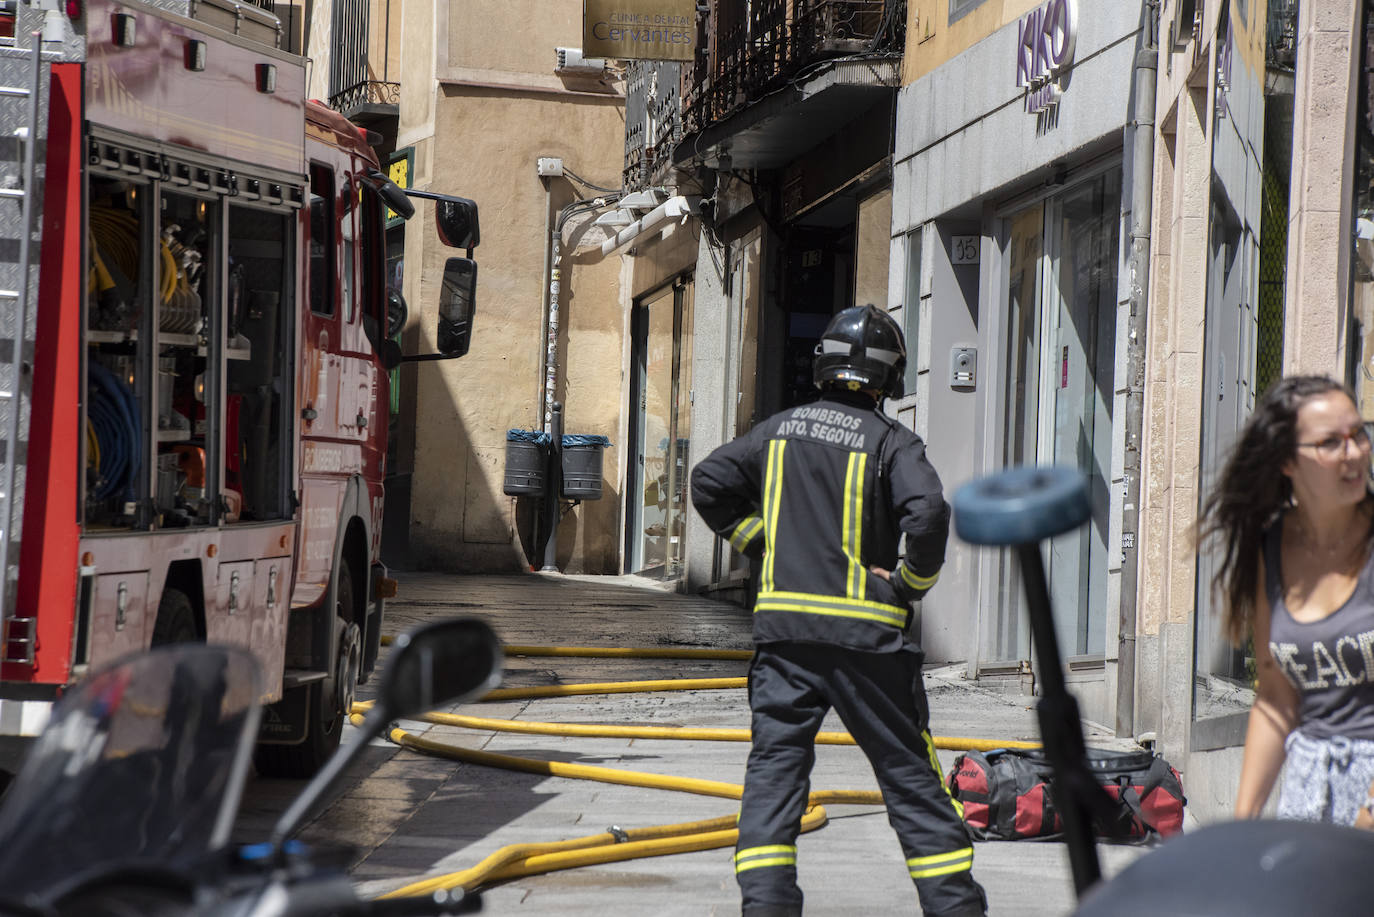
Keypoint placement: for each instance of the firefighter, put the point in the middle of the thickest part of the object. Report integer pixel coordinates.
(818, 496)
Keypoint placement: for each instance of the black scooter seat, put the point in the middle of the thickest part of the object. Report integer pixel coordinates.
(1245, 869)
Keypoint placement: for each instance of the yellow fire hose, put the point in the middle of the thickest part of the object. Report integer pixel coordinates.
(516, 860)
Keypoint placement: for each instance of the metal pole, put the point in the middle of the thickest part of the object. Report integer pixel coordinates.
(1061, 729)
(553, 484)
(1138, 264)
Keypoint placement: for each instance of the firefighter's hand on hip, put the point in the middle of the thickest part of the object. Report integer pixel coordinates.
(903, 595)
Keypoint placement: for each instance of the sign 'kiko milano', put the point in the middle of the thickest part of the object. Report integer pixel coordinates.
(1044, 49)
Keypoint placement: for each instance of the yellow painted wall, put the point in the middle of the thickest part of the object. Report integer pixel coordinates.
(516, 36)
(931, 40)
(482, 142)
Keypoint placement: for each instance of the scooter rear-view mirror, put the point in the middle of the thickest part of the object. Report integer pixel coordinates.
(442, 663)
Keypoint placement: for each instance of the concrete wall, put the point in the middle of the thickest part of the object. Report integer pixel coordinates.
(947, 419)
(962, 132)
(481, 105)
(1319, 206)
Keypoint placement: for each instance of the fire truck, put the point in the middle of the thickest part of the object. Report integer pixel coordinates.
(196, 340)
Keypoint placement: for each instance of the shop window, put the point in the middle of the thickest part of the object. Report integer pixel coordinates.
(911, 309)
(661, 358)
(1243, 330)
(1061, 258)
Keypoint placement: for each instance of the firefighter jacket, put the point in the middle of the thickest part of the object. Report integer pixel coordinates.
(816, 495)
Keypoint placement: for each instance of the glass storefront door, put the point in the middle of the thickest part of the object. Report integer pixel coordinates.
(661, 360)
(1061, 261)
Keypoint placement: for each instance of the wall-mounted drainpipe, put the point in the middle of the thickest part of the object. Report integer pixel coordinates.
(544, 303)
(551, 340)
(553, 487)
(1142, 184)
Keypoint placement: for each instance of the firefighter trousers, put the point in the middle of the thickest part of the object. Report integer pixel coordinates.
(881, 699)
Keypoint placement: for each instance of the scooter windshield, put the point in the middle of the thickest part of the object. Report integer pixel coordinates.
(140, 767)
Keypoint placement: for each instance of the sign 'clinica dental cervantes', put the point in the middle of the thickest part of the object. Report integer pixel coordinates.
(1044, 51)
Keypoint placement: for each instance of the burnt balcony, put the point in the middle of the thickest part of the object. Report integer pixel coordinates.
(653, 121)
(774, 77)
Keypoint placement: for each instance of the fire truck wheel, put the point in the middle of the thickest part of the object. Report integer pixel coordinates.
(176, 619)
(329, 700)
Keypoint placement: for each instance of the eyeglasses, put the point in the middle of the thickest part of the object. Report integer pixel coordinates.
(1333, 447)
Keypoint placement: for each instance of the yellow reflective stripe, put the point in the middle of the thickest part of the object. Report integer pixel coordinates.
(940, 864)
(810, 603)
(772, 499)
(918, 582)
(934, 871)
(748, 529)
(940, 775)
(853, 523)
(772, 855)
(755, 864)
(760, 851)
(936, 859)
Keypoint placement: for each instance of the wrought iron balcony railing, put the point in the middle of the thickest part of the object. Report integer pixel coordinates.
(360, 66)
(368, 92)
(748, 53)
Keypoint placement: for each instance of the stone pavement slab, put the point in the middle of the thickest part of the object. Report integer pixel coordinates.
(409, 816)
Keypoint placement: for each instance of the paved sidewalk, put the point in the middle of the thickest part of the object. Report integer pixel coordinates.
(408, 815)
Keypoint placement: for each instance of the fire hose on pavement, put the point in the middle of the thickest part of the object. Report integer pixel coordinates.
(616, 844)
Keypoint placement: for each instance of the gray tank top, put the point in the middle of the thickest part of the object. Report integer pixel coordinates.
(1331, 661)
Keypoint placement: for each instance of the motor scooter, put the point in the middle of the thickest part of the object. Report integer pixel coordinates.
(1250, 868)
(125, 803)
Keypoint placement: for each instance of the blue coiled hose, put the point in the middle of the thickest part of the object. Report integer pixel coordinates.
(113, 412)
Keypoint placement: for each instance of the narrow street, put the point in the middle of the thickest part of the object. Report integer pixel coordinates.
(406, 815)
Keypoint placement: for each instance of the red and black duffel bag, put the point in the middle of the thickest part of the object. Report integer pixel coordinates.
(1006, 794)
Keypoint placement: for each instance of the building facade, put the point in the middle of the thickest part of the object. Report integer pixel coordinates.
(779, 133)
(1259, 268)
(1013, 187)
(483, 99)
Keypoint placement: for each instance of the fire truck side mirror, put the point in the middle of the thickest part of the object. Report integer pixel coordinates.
(392, 194)
(390, 354)
(457, 305)
(456, 219)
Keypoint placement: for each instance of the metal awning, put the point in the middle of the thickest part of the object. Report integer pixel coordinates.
(786, 123)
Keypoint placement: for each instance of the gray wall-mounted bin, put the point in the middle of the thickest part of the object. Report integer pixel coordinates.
(526, 457)
(582, 454)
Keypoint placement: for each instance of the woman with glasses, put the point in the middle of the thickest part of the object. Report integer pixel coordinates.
(1294, 514)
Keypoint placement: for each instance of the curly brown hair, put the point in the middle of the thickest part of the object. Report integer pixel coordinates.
(1252, 492)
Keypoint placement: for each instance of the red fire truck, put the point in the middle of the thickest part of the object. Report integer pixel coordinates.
(196, 334)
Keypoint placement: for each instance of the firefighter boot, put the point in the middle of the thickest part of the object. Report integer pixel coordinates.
(773, 910)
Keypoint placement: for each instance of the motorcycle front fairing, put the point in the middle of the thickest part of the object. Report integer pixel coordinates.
(139, 771)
